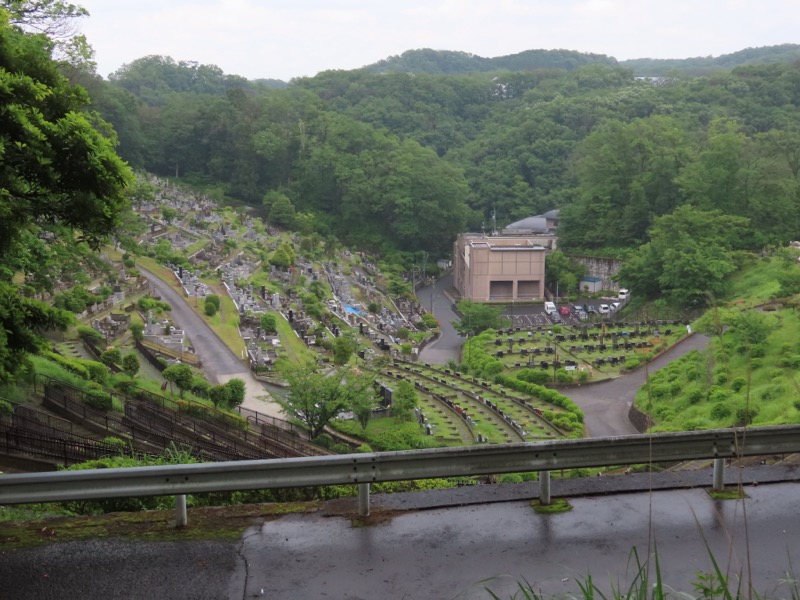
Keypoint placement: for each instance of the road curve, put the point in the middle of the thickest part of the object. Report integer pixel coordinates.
(606, 404)
(220, 364)
(448, 345)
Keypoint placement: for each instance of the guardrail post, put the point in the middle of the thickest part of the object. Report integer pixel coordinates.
(363, 499)
(719, 474)
(180, 511)
(544, 487)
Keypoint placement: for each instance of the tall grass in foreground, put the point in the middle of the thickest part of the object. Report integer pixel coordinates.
(646, 585)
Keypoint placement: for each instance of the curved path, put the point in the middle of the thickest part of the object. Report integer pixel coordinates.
(448, 345)
(220, 364)
(606, 404)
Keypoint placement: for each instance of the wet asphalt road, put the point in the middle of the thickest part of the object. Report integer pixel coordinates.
(220, 364)
(606, 404)
(441, 553)
(448, 346)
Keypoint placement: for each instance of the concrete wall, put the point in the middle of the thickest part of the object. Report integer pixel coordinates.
(602, 268)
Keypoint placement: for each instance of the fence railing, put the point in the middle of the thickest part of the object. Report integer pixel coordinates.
(363, 469)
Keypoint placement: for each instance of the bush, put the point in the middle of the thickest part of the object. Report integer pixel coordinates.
(97, 371)
(695, 395)
(563, 377)
(745, 416)
(772, 392)
(6, 408)
(98, 399)
(112, 356)
(210, 308)
(720, 411)
(534, 376)
(738, 384)
(88, 334)
(717, 394)
(213, 299)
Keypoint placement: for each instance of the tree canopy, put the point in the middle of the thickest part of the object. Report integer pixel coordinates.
(60, 179)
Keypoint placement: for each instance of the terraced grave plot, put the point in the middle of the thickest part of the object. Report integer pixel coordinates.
(446, 426)
(491, 426)
(493, 405)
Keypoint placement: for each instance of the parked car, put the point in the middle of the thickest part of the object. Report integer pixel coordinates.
(564, 311)
(604, 309)
(576, 308)
(615, 306)
(591, 309)
(623, 294)
(582, 315)
(549, 308)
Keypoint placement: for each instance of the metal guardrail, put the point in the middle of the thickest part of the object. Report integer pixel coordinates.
(364, 469)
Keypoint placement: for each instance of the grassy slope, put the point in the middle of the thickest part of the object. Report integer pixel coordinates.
(716, 387)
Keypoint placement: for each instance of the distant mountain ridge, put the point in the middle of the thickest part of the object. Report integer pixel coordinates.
(449, 62)
(783, 53)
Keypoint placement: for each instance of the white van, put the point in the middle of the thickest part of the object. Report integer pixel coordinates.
(623, 294)
(549, 308)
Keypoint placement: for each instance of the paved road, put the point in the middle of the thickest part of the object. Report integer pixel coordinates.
(606, 404)
(220, 364)
(448, 346)
(455, 551)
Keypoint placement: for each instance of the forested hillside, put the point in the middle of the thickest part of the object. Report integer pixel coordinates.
(402, 161)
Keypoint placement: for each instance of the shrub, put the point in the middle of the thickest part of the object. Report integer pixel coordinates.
(210, 308)
(6, 408)
(721, 376)
(694, 395)
(758, 351)
(213, 299)
(88, 334)
(429, 320)
(745, 415)
(112, 356)
(534, 376)
(720, 411)
(738, 384)
(563, 376)
(98, 399)
(115, 441)
(717, 394)
(97, 371)
(772, 392)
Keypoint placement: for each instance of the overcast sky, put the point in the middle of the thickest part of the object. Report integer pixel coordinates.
(282, 39)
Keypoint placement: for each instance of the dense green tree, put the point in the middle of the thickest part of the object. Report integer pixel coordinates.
(688, 258)
(476, 317)
(404, 400)
(58, 173)
(269, 323)
(281, 209)
(315, 396)
(130, 364)
(181, 375)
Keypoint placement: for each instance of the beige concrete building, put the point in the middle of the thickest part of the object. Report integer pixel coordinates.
(501, 268)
